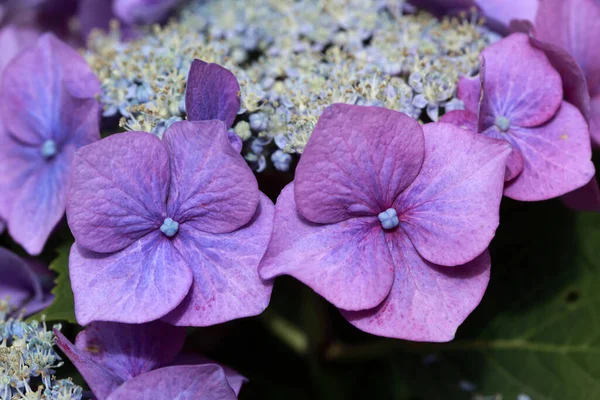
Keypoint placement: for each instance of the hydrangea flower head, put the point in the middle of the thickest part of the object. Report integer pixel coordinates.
(172, 228)
(522, 102)
(390, 221)
(47, 111)
(123, 361)
(21, 287)
(574, 25)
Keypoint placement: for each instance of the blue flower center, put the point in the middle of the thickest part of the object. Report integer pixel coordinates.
(389, 218)
(48, 149)
(502, 123)
(169, 227)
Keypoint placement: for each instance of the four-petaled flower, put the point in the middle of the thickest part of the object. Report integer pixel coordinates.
(521, 101)
(48, 111)
(172, 228)
(123, 361)
(391, 222)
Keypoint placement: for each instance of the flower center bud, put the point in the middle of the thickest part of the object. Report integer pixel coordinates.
(48, 149)
(502, 123)
(388, 219)
(169, 227)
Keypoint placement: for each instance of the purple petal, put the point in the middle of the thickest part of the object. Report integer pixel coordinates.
(427, 302)
(235, 379)
(526, 90)
(99, 378)
(94, 14)
(235, 141)
(469, 91)
(586, 198)
(119, 191)
(463, 119)
(595, 120)
(500, 13)
(212, 188)
(129, 350)
(13, 40)
(198, 382)
(451, 211)
(19, 284)
(144, 12)
(347, 263)
(357, 161)
(225, 267)
(443, 7)
(138, 284)
(212, 92)
(573, 25)
(556, 157)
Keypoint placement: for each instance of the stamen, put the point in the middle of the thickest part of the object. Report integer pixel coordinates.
(389, 219)
(169, 227)
(502, 123)
(48, 149)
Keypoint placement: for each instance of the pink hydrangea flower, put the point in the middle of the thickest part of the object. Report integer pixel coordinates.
(521, 101)
(170, 229)
(391, 221)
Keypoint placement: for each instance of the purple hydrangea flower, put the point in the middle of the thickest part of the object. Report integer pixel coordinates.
(122, 361)
(21, 285)
(574, 25)
(13, 40)
(390, 221)
(522, 102)
(48, 111)
(213, 92)
(169, 229)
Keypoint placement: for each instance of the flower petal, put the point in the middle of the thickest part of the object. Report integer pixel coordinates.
(205, 382)
(225, 267)
(143, 12)
(100, 379)
(514, 164)
(19, 283)
(235, 379)
(499, 13)
(357, 161)
(557, 157)
(451, 211)
(463, 119)
(427, 302)
(129, 350)
(34, 86)
(212, 92)
(13, 40)
(212, 188)
(469, 91)
(138, 284)
(347, 263)
(527, 90)
(119, 191)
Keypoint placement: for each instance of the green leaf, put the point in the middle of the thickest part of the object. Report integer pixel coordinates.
(537, 331)
(63, 306)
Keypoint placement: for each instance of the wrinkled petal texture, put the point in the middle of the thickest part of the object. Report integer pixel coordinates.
(138, 284)
(119, 191)
(573, 25)
(347, 263)
(129, 350)
(357, 161)
(198, 382)
(556, 157)
(451, 211)
(212, 188)
(143, 12)
(519, 83)
(36, 87)
(19, 283)
(427, 302)
(225, 267)
(212, 92)
(99, 378)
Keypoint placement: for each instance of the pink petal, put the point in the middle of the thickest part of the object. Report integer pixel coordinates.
(469, 91)
(198, 382)
(348, 263)
(235, 379)
(556, 157)
(119, 191)
(462, 119)
(451, 211)
(138, 284)
(519, 83)
(427, 302)
(212, 92)
(99, 378)
(225, 267)
(356, 162)
(212, 188)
